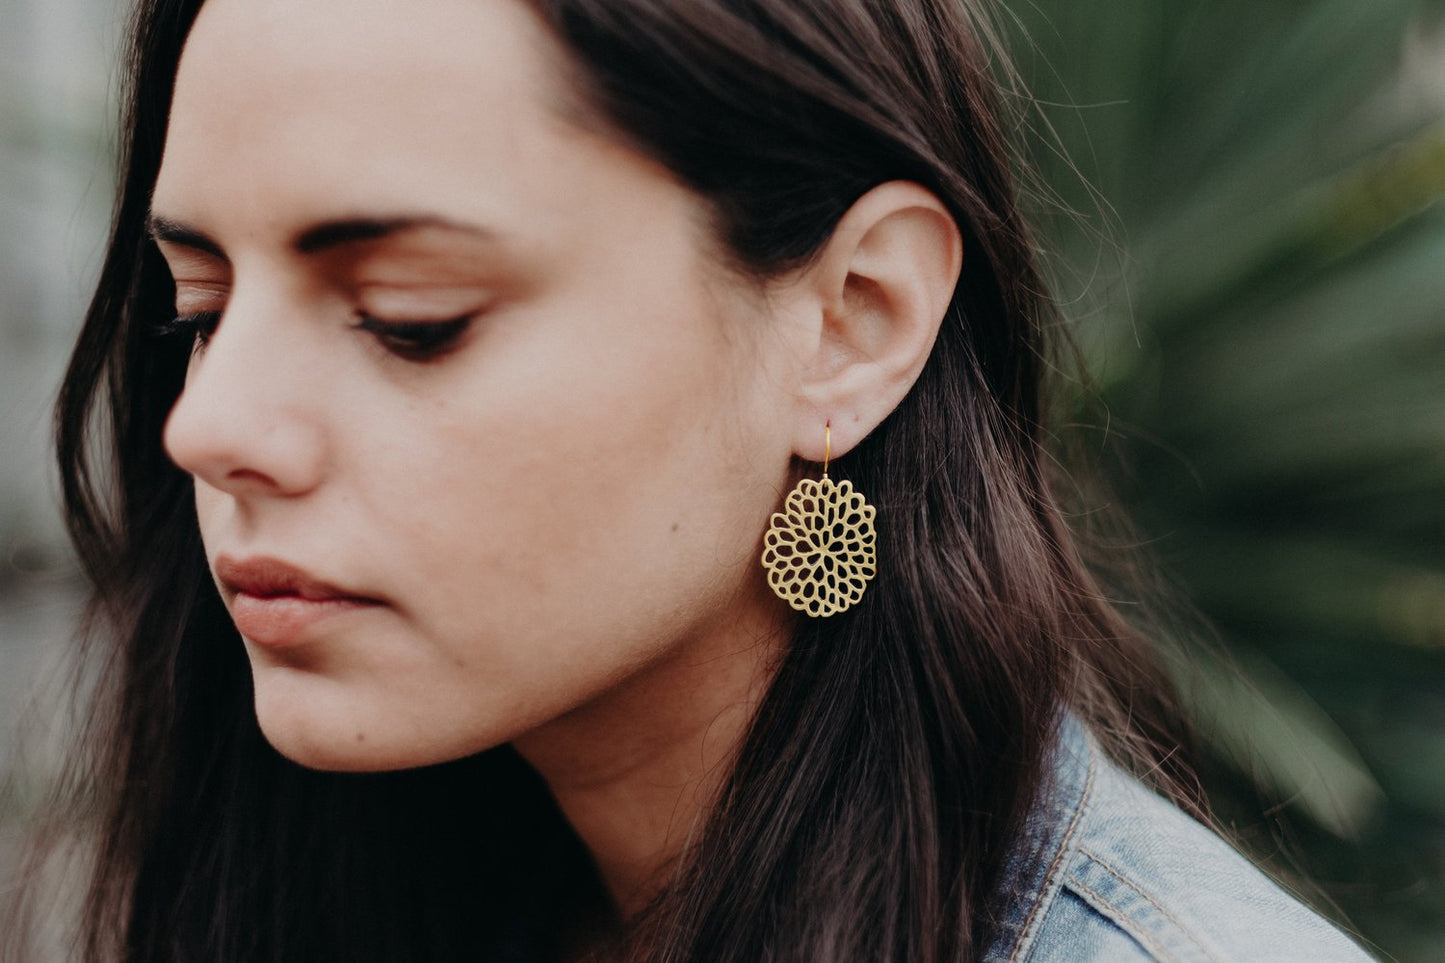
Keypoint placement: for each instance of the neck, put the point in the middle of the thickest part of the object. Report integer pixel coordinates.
(636, 771)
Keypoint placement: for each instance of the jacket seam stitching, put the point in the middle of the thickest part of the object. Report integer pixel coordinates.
(1053, 870)
(1108, 868)
(1138, 934)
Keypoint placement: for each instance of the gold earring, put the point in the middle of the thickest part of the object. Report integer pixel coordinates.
(819, 550)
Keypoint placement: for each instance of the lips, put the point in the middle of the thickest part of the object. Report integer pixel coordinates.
(277, 605)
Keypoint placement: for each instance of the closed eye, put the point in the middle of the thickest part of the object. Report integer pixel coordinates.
(416, 340)
(198, 324)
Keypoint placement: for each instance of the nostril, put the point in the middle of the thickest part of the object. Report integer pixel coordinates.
(251, 476)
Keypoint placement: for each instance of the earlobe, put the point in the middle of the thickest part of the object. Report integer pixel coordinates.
(883, 282)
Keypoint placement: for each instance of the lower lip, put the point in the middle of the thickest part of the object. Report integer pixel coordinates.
(279, 621)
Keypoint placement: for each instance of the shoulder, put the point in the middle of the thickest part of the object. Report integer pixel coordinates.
(1116, 873)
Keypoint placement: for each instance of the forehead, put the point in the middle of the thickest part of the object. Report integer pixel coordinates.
(315, 105)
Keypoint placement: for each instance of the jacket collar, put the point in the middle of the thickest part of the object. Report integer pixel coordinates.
(1034, 873)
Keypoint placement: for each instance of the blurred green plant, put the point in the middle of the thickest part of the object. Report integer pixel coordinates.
(1255, 262)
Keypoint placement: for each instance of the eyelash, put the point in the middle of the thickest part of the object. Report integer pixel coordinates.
(199, 324)
(415, 340)
(411, 340)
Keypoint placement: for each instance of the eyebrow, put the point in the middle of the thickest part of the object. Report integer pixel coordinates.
(174, 232)
(331, 234)
(318, 237)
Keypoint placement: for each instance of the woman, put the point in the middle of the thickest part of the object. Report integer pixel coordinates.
(454, 360)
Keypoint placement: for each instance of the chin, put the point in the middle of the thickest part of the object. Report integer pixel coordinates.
(328, 726)
(327, 735)
(315, 751)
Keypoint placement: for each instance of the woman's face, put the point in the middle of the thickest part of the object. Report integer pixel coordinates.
(483, 430)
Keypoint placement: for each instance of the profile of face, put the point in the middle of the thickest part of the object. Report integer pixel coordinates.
(481, 429)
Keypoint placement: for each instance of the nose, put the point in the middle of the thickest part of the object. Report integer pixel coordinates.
(248, 421)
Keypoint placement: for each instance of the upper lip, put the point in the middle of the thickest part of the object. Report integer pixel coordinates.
(271, 577)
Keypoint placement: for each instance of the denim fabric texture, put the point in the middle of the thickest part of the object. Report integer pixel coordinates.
(1111, 872)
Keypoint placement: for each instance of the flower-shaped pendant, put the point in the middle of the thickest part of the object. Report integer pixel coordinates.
(819, 550)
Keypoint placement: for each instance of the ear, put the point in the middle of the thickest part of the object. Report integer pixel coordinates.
(876, 296)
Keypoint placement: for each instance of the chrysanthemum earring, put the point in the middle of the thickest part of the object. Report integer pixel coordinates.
(819, 550)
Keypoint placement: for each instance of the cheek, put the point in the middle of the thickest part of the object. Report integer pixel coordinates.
(549, 535)
(564, 499)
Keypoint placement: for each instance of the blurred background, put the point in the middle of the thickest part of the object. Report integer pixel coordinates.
(1255, 260)
(56, 79)
(1243, 208)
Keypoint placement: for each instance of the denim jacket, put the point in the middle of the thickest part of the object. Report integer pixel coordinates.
(1113, 873)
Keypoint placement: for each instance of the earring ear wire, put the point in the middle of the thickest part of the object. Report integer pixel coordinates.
(820, 550)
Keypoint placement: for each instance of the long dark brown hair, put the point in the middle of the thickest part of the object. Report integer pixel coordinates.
(892, 764)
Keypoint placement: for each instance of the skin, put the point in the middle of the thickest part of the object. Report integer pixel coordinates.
(560, 514)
